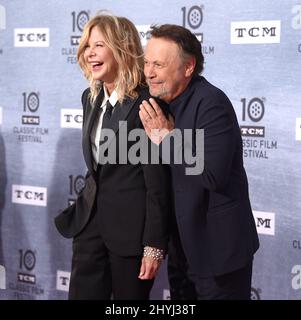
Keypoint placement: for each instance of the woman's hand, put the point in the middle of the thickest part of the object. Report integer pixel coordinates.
(149, 268)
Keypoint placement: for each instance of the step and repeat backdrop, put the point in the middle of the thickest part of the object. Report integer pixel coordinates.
(252, 51)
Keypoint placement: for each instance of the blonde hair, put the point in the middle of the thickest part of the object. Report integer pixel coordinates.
(122, 37)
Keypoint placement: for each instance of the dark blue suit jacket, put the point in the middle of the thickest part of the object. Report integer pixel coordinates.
(213, 210)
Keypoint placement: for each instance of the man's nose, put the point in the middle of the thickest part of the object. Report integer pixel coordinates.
(149, 71)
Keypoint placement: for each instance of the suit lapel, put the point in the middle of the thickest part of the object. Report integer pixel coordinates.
(93, 111)
(91, 115)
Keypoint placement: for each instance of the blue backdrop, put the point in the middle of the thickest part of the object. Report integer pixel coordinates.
(252, 52)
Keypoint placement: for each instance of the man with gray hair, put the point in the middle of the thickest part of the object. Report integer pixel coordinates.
(214, 230)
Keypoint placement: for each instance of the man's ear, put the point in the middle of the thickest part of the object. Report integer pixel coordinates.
(189, 66)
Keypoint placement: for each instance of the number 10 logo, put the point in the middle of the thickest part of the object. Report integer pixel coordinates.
(194, 17)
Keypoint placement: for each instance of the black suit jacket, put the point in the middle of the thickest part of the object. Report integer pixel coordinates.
(132, 200)
(213, 210)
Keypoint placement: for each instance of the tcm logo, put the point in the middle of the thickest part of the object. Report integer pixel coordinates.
(26, 278)
(2, 18)
(253, 32)
(253, 110)
(31, 102)
(36, 196)
(79, 19)
(296, 21)
(2, 277)
(32, 37)
(193, 17)
(296, 281)
(251, 131)
(166, 294)
(265, 222)
(0, 115)
(27, 261)
(62, 280)
(144, 33)
(71, 118)
(298, 129)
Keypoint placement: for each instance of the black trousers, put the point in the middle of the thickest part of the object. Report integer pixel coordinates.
(184, 286)
(235, 285)
(98, 273)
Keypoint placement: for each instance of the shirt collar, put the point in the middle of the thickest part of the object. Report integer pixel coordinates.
(113, 98)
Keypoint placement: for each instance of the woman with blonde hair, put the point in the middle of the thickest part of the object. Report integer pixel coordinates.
(119, 220)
